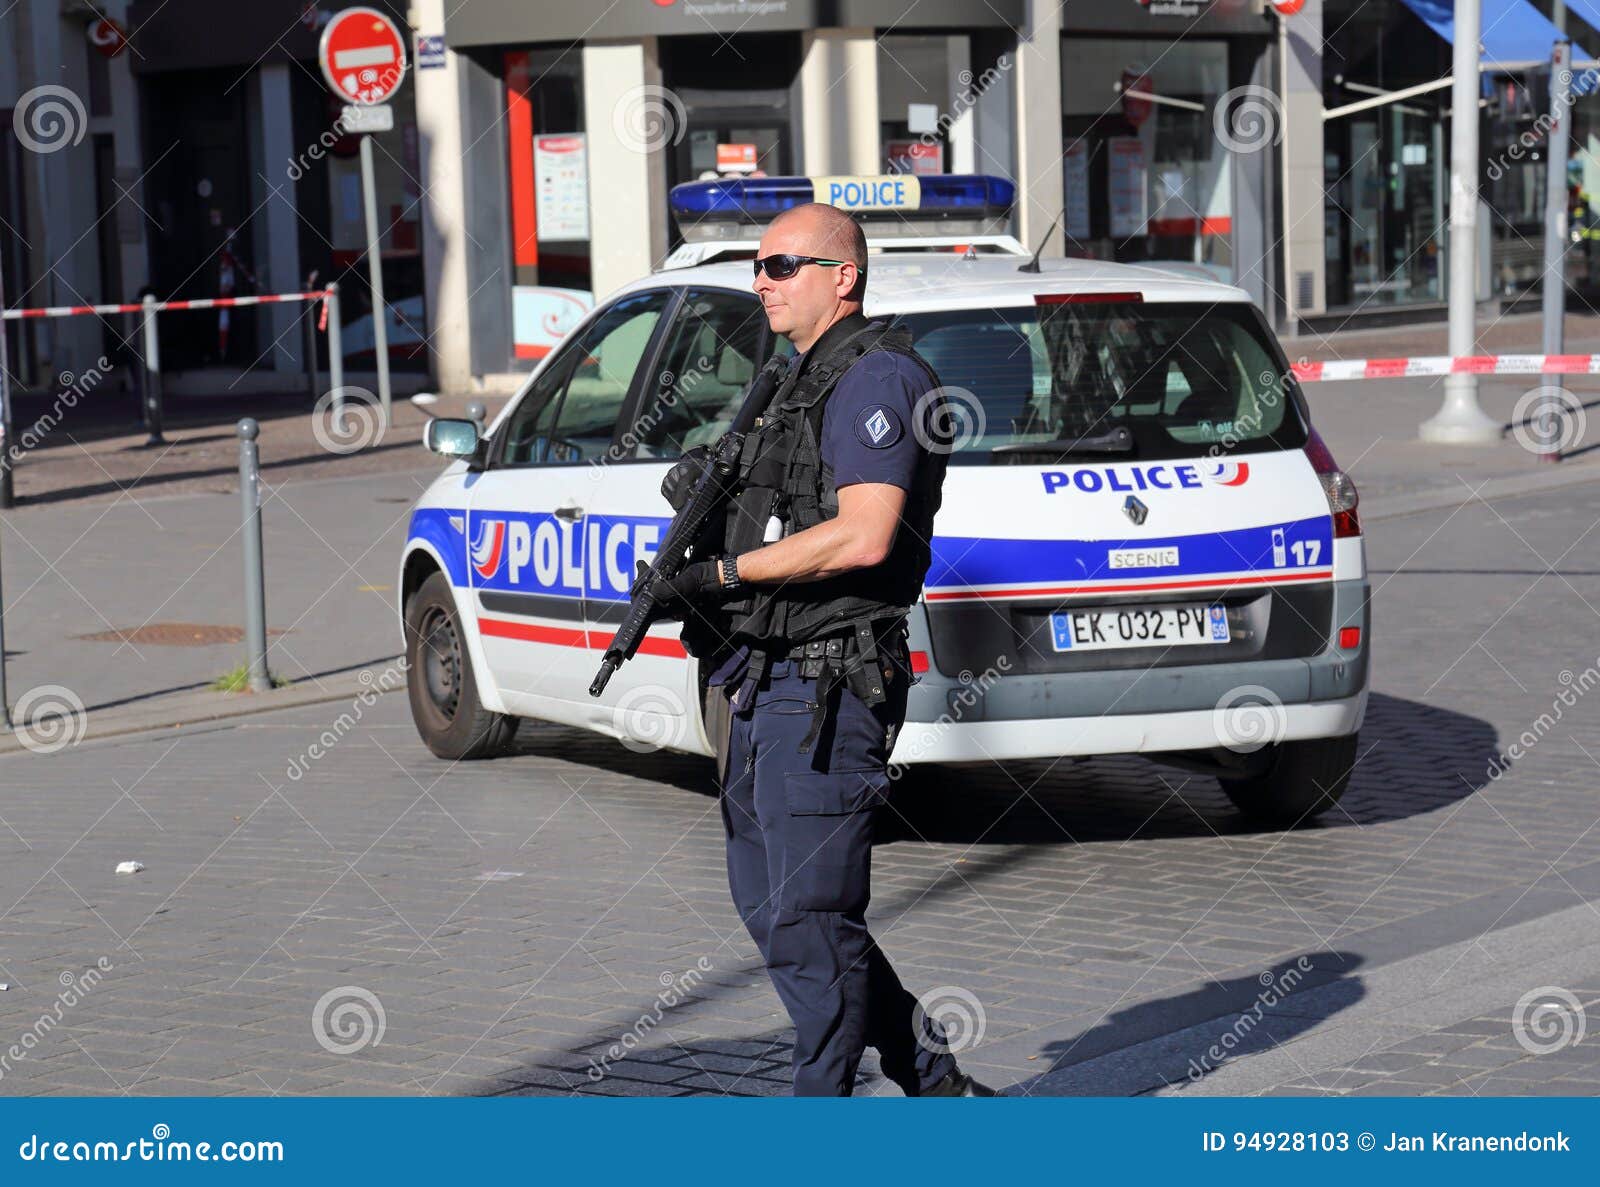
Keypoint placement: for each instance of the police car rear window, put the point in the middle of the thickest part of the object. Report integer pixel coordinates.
(1183, 380)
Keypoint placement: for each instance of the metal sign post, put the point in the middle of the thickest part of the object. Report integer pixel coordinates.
(363, 58)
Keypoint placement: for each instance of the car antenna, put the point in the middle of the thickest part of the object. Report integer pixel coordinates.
(1033, 264)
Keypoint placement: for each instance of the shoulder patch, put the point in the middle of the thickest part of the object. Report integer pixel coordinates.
(877, 426)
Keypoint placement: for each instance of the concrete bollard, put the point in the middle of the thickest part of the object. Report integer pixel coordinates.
(152, 375)
(477, 413)
(255, 589)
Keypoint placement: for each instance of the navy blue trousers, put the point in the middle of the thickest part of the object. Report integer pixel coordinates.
(799, 832)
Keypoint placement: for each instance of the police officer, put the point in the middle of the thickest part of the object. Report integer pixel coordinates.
(803, 615)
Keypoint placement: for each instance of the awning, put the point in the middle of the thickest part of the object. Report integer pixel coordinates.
(1514, 34)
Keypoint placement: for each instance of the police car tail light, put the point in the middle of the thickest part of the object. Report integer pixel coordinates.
(1349, 637)
(919, 661)
(1337, 485)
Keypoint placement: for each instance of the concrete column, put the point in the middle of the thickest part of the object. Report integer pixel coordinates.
(444, 256)
(839, 103)
(1041, 183)
(278, 248)
(960, 89)
(624, 104)
(1305, 280)
(130, 164)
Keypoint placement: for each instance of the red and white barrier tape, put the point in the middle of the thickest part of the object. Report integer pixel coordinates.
(1490, 364)
(159, 306)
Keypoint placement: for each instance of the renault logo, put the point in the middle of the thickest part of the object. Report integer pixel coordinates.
(1134, 509)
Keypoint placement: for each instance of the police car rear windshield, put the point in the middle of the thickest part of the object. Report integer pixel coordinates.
(1118, 378)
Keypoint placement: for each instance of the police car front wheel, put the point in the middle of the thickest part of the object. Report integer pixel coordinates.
(441, 684)
(1301, 780)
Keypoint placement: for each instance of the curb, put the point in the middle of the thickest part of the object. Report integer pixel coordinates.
(1553, 478)
(180, 710)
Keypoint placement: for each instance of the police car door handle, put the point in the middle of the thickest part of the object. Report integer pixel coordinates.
(570, 512)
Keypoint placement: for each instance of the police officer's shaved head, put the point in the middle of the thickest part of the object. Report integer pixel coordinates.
(836, 234)
(802, 304)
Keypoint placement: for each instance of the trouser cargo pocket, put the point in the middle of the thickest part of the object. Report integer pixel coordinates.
(828, 839)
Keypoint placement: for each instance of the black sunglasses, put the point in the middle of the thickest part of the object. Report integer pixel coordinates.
(781, 267)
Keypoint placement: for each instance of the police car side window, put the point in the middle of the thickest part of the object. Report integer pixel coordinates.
(710, 355)
(571, 411)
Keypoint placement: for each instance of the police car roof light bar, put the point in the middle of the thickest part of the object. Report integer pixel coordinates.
(750, 200)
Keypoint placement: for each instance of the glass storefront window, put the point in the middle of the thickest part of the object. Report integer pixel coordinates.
(549, 177)
(915, 110)
(1146, 178)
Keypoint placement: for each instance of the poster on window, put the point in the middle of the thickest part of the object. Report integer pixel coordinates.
(1077, 194)
(914, 156)
(1125, 186)
(561, 185)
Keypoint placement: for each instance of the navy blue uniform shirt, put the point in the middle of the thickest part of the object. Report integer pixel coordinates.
(868, 435)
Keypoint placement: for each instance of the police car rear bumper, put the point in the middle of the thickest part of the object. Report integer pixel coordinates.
(1119, 733)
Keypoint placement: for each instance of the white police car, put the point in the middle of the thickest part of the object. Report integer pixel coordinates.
(1144, 547)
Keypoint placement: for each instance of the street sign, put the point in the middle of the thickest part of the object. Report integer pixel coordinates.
(363, 56)
(355, 119)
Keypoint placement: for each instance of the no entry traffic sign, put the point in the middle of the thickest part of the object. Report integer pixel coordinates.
(363, 56)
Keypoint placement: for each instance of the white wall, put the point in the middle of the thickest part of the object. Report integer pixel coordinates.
(622, 103)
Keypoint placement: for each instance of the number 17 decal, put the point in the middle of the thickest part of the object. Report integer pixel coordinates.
(1306, 551)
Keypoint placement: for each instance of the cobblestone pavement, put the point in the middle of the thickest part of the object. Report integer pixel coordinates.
(376, 921)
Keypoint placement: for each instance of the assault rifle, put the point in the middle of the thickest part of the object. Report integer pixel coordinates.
(707, 498)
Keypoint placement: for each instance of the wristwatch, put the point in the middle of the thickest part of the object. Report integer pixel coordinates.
(729, 566)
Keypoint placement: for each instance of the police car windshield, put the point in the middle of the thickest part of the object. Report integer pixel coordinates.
(1182, 380)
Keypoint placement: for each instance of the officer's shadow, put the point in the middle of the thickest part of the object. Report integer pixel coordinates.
(1176, 1043)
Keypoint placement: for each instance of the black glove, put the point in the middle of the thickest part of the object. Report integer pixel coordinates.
(700, 583)
(680, 480)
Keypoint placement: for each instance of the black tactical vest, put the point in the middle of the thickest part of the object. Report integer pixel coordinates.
(782, 475)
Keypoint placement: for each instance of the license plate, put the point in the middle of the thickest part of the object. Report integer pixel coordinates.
(1138, 626)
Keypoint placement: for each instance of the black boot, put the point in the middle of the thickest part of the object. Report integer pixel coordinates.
(958, 1083)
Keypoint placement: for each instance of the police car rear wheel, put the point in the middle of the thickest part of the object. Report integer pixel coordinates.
(1301, 781)
(442, 686)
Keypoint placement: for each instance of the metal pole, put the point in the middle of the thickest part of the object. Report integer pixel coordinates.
(7, 458)
(1459, 420)
(255, 589)
(335, 353)
(1555, 200)
(311, 351)
(5, 484)
(152, 374)
(380, 310)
